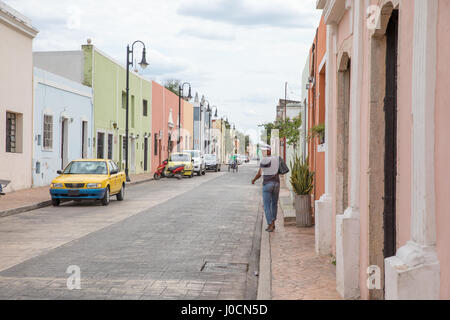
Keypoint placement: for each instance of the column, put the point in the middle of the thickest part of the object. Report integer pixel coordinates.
(414, 273)
(324, 206)
(348, 224)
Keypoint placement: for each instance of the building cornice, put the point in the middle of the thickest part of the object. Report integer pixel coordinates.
(118, 63)
(320, 4)
(16, 20)
(333, 10)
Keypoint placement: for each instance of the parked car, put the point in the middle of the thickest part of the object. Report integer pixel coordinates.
(212, 163)
(240, 160)
(3, 185)
(181, 159)
(199, 161)
(97, 179)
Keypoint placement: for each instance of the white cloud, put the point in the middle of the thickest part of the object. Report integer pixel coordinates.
(238, 53)
(249, 13)
(207, 34)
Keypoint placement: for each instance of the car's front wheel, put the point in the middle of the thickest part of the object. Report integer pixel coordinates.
(105, 200)
(56, 202)
(121, 194)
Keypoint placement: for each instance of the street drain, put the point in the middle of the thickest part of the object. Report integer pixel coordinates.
(224, 267)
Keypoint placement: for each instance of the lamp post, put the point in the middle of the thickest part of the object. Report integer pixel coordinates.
(181, 96)
(222, 143)
(202, 104)
(224, 138)
(143, 65)
(235, 139)
(209, 125)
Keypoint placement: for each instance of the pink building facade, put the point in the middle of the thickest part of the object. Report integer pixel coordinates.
(16, 98)
(165, 107)
(387, 173)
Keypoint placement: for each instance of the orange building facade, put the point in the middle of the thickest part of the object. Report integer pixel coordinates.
(316, 108)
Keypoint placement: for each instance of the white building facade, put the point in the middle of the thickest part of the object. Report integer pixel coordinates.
(16, 97)
(63, 122)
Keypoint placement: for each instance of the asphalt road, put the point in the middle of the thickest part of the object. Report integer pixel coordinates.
(191, 239)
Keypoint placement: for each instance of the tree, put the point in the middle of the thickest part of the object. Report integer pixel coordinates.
(288, 129)
(247, 142)
(266, 134)
(172, 85)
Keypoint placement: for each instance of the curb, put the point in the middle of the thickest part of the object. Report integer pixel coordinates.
(31, 207)
(47, 203)
(265, 267)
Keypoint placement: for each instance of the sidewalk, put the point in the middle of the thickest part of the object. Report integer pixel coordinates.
(34, 198)
(297, 272)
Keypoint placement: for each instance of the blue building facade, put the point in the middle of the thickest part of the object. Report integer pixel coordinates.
(63, 122)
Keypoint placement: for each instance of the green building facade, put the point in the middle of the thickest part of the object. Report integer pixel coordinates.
(108, 80)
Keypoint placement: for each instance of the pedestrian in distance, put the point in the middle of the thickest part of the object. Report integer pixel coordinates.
(270, 169)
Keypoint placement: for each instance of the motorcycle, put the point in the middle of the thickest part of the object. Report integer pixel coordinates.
(233, 165)
(3, 184)
(161, 171)
(176, 172)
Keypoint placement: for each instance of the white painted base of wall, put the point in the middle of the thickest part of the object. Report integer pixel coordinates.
(347, 253)
(324, 226)
(413, 274)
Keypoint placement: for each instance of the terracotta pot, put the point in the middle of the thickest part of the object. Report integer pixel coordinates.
(302, 206)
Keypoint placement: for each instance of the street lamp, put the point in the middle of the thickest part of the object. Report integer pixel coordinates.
(143, 65)
(202, 104)
(235, 139)
(222, 142)
(180, 96)
(209, 125)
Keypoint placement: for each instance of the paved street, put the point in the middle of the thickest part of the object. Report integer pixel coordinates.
(191, 239)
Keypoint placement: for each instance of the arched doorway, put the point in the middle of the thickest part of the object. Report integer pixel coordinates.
(382, 171)
(342, 141)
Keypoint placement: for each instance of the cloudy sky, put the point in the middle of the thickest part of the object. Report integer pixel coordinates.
(238, 53)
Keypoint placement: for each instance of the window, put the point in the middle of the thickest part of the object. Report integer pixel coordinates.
(100, 145)
(132, 112)
(10, 132)
(124, 100)
(180, 157)
(124, 147)
(84, 139)
(12, 120)
(48, 132)
(110, 167)
(156, 144)
(86, 167)
(145, 108)
(195, 154)
(116, 168)
(110, 146)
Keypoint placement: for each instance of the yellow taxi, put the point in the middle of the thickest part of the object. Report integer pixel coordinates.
(94, 179)
(182, 159)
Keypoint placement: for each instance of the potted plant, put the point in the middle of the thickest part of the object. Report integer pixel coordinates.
(302, 181)
(317, 131)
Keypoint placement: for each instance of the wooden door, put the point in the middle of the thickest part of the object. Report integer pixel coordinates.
(145, 154)
(390, 158)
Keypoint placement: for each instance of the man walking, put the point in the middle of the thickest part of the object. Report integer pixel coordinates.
(269, 167)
